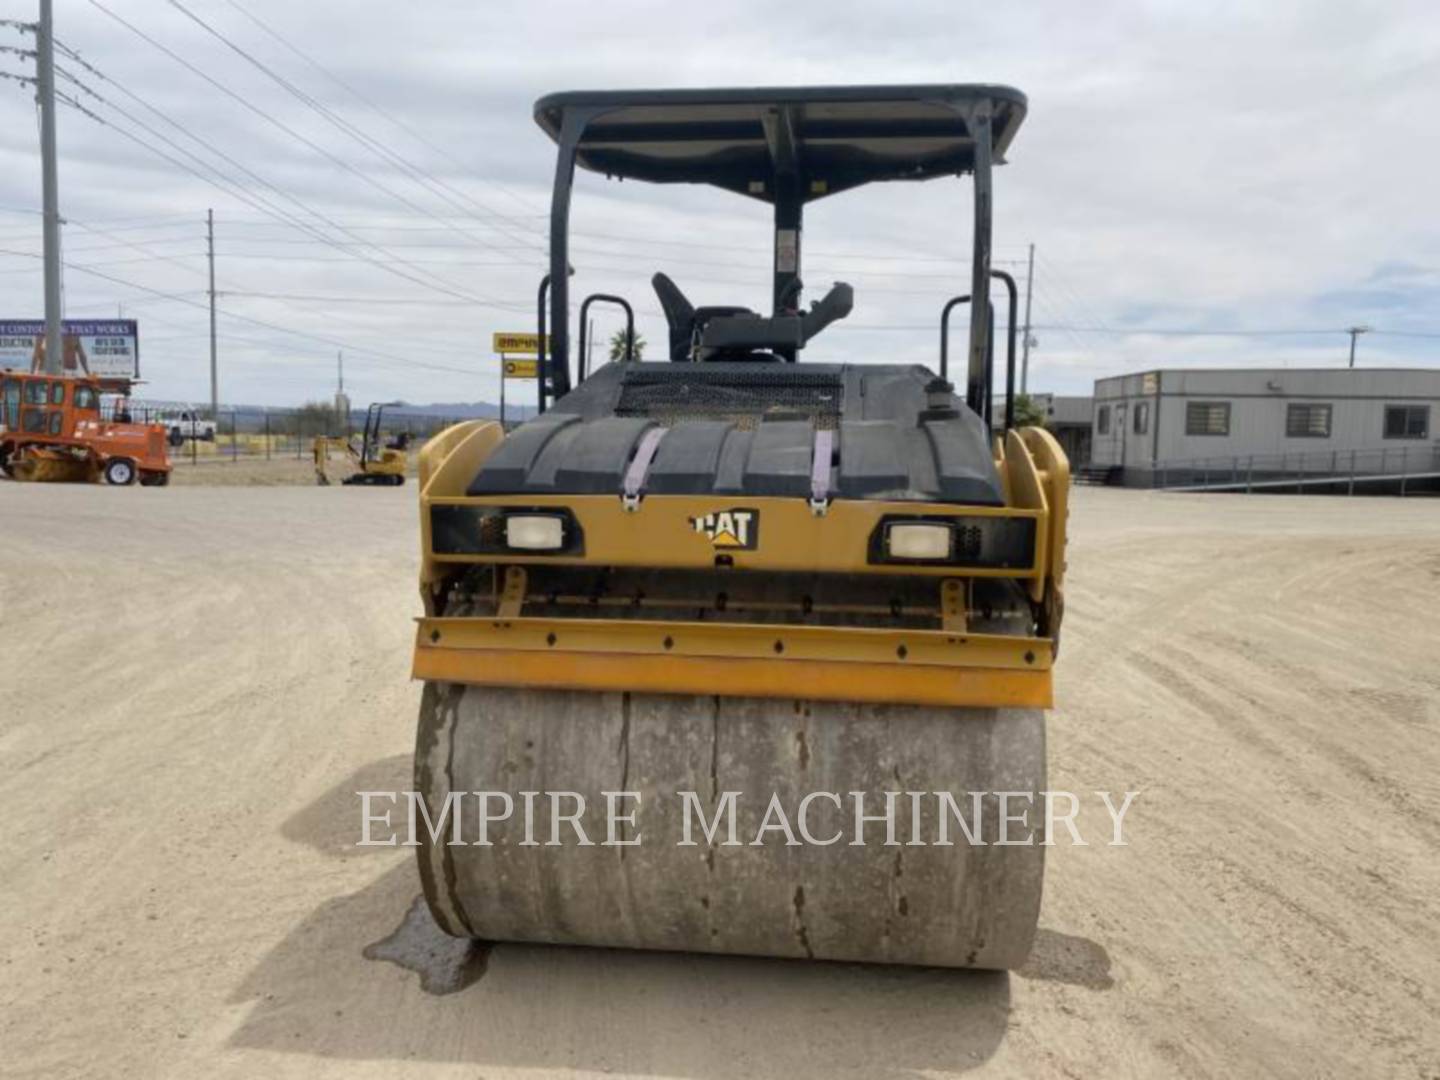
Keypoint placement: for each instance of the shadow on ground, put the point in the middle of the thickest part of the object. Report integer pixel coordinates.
(544, 1007)
(331, 824)
(1070, 959)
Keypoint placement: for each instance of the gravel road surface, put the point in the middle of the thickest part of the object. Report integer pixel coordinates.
(196, 680)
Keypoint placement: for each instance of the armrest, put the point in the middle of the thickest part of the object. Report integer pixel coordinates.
(836, 304)
(752, 332)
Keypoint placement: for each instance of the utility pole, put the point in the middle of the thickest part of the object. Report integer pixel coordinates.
(342, 403)
(1355, 332)
(45, 97)
(1025, 337)
(214, 365)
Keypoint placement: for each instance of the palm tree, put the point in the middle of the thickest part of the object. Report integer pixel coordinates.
(617, 346)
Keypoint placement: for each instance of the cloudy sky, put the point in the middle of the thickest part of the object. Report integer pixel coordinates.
(380, 186)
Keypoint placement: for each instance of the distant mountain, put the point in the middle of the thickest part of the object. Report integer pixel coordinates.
(468, 410)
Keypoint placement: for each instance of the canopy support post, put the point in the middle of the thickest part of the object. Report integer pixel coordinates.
(789, 211)
(980, 319)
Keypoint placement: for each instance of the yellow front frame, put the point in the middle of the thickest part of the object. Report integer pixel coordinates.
(926, 667)
(923, 667)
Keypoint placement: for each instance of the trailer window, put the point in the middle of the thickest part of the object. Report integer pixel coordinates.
(1102, 420)
(1207, 418)
(1407, 421)
(1142, 417)
(1307, 422)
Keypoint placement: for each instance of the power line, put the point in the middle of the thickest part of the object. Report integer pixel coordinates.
(392, 357)
(607, 252)
(1052, 297)
(334, 342)
(247, 104)
(421, 176)
(1160, 331)
(416, 135)
(111, 262)
(181, 298)
(344, 299)
(177, 260)
(225, 90)
(262, 203)
(1052, 273)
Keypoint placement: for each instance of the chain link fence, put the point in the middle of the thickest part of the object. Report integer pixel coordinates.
(250, 433)
(241, 432)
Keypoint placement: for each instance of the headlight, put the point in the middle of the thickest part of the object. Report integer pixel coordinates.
(468, 529)
(534, 532)
(928, 542)
(989, 542)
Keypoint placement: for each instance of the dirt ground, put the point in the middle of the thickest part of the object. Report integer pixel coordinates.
(281, 470)
(197, 679)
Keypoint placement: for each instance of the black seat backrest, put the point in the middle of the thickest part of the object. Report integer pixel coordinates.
(686, 320)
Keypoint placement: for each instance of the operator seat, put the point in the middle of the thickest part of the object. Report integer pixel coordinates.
(738, 333)
(684, 318)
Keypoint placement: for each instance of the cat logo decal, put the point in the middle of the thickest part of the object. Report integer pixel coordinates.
(730, 530)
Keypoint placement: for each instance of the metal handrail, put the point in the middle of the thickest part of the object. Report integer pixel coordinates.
(1013, 313)
(1248, 470)
(1308, 461)
(584, 319)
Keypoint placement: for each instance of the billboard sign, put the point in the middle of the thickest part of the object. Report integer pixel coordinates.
(519, 343)
(521, 369)
(107, 348)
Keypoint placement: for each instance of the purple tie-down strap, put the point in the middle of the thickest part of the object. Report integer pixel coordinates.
(820, 466)
(640, 463)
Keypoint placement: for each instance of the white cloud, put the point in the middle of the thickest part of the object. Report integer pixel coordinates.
(1223, 166)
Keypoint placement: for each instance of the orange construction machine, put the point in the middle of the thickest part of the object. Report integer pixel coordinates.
(51, 430)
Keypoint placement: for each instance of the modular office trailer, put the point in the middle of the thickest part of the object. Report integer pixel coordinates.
(1262, 425)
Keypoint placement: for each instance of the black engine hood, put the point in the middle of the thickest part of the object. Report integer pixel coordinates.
(751, 429)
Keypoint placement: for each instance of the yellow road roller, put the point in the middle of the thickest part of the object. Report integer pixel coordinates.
(376, 460)
(732, 652)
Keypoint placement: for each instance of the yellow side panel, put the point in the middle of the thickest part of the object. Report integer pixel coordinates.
(447, 462)
(1027, 492)
(1054, 468)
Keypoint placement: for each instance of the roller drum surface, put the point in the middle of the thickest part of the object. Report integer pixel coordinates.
(960, 906)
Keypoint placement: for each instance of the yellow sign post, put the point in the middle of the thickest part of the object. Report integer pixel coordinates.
(511, 345)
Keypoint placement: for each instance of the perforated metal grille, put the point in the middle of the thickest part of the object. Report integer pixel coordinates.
(691, 392)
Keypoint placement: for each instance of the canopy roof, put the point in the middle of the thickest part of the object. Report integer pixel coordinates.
(829, 137)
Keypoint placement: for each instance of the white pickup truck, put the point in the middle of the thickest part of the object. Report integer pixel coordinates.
(182, 424)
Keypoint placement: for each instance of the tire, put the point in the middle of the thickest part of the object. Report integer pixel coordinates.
(175, 438)
(155, 479)
(120, 472)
